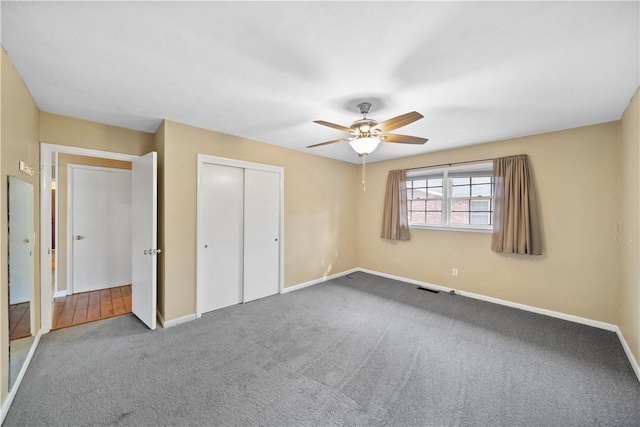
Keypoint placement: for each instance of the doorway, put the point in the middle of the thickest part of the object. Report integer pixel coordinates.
(140, 295)
(93, 204)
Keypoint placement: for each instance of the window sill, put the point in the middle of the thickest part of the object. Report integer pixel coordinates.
(451, 228)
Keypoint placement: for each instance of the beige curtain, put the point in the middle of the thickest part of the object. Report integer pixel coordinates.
(395, 223)
(516, 228)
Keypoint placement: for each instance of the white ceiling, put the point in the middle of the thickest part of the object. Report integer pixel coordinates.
(477, 71)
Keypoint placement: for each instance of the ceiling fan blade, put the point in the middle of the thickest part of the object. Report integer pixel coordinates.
(399, 121)
(404, 139)
(333, 125)
(328, 142)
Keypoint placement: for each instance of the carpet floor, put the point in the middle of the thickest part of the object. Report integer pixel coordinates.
(357, 350)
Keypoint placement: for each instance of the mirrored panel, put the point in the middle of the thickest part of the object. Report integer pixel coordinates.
(21, 239)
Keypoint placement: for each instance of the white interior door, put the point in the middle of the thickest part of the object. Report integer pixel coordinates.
(144, 218)
(261, 234)
(100, 227)
(220, 236)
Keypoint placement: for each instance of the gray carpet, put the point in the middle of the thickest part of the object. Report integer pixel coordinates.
(358, 350)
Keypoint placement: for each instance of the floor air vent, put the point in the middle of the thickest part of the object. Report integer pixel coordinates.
(428, 290)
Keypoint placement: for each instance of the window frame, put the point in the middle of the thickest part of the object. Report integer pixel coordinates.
(447, 174)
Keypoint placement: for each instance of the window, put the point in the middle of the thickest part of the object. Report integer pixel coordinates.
(455, 197)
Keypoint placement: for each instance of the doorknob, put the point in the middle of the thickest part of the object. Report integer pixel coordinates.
(79, 237)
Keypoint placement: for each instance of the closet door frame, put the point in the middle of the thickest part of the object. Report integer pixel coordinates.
(222, 161)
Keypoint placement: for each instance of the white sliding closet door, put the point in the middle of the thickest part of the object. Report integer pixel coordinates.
(220, 236)
(239, 232)
(261, 234)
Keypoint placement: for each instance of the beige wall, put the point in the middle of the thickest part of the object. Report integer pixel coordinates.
(61, 187)
(575, 174)
(320, 199)
(19, 141)
(629, 226)
(62, 130)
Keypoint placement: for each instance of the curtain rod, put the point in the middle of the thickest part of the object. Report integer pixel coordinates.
(450, 164)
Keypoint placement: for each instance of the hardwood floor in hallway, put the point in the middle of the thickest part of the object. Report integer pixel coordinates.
(20, 322)
(91, 306)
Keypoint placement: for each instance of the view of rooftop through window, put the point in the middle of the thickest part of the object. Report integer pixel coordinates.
(451, 199)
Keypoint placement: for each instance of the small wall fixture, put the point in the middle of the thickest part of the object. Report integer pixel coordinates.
(28, 169)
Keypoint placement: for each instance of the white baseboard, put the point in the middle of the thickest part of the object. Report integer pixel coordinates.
(177, 321)
(543, 311)
(316, 281)
(12, 393)
(60, 294)
(627, 350)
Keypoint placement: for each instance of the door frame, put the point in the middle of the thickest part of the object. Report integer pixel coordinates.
(223, 161)
(70, 213)
(46, 151)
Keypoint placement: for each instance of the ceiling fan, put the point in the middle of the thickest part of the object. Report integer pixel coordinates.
(367, 133)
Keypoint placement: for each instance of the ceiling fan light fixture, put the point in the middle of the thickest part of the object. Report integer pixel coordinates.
(364, 145)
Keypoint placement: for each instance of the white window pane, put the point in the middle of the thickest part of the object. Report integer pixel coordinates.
(481, 180)
(419, 193)
(436, 182)
(434, 217)
(461, 191)
(460, 205)
(435, 193)
(417, 205)
(460, 218)
(480, 218)
(483, 190)
(416, 216)
(461, 181)
(434, 205)
(419, 183)
(480, 205)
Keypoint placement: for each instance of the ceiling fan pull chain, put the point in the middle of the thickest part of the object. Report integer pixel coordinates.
(364, 173)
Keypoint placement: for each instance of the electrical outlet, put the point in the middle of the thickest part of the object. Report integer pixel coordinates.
(454, 272)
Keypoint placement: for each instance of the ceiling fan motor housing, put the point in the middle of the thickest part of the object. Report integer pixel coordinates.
(365, 127)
